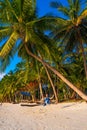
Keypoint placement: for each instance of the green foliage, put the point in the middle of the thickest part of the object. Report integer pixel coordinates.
(18, 20)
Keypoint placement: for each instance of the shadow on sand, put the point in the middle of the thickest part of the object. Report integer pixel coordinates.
(30, 105)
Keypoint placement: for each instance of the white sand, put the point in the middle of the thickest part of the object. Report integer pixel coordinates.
(63, 116)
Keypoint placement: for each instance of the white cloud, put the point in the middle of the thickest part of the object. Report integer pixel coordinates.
(2, 75)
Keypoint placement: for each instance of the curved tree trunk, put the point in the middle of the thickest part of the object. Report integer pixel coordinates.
(80, 93)
(53, 87)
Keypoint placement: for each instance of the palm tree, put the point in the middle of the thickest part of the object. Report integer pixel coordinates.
(9, 83)
(18, 20)
(28, 71)
(81, 94)
(73, 29)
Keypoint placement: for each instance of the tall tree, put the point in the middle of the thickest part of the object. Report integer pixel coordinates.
(73, 29)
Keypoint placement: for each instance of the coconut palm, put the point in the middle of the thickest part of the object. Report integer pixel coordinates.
(73, 30)
(9, 86)
(18, 20)
(18, 15)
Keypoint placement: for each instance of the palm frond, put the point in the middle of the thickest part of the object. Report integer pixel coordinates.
(29, 9)
(17, 7)
(55, 4)
(60, 7)
(77, 5)
(83, 14)
(9, 45)
(5, 32)
(5, 62)
(9, 7)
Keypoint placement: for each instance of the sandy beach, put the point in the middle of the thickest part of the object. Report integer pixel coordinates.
(62, 116)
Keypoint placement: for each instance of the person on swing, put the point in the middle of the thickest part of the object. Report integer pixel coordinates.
(46, 100)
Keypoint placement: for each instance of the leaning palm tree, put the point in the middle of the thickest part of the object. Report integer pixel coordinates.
(18, 20)
(73, 30)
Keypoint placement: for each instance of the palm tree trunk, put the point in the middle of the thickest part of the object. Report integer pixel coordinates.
(80, 93)
(40, 86)
(84, 59)
(41, 92)
(82, 48)
(33, 98)
(51, 84)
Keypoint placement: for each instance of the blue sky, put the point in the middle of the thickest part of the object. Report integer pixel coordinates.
(43, 8)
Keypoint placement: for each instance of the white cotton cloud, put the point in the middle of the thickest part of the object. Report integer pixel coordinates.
(2, 75)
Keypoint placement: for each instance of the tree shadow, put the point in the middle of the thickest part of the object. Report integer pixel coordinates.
(30, 105)
(69, 105)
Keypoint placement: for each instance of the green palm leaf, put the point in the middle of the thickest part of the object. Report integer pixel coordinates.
(9, 45)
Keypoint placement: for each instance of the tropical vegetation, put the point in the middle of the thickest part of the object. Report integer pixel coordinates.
(47, 59)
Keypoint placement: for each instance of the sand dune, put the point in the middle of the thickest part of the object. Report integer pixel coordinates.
(62, 116)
